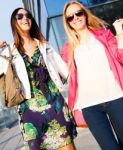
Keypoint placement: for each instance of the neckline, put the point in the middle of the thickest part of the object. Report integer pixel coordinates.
(88, 41)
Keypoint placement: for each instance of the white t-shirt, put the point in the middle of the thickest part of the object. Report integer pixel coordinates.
(96, 82)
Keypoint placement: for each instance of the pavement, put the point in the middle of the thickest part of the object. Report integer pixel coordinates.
(85, 140)
(11, 139)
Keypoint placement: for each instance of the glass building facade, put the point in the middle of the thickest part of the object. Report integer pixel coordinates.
(48, 15)
(88, 3)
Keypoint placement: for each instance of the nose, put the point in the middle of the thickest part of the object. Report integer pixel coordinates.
(24, 17)
(75, 17)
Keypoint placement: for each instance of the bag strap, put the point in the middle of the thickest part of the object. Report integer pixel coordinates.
(10, 52)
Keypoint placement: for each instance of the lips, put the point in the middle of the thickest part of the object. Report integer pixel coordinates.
(78, 22)
(25, 23)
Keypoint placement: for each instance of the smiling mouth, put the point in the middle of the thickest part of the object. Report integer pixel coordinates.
(25, 23)
(77, 22)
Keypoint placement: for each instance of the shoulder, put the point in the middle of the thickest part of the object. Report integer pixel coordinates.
(105, 32)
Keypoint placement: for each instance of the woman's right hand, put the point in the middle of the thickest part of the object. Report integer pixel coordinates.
(1, 44)
(118, 25)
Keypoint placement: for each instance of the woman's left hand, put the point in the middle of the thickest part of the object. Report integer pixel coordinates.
(1, 44)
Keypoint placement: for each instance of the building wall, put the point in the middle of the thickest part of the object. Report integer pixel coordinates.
(50, 13)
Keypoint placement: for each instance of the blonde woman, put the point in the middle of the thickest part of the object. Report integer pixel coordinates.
(95, 59)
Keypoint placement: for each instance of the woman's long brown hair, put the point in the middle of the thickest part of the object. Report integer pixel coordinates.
(17, 32)
(93, 23)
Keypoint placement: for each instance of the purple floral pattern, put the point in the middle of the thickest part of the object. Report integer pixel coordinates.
(46, 121)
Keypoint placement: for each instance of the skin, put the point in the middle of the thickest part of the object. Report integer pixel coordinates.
(1, 44)
(78, 23)
(118, 25)
(24, 23)
(29, 43)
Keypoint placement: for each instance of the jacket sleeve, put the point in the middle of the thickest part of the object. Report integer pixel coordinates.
(113, 43)
(3, 65)
(64, 52)
(58, 63)
(3, 62)
(61, 65)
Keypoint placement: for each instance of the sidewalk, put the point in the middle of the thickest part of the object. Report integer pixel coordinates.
(11, 139)
(85, 140)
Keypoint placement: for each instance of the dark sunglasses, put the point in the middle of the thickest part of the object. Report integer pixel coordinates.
(79, 13)
(20, 16)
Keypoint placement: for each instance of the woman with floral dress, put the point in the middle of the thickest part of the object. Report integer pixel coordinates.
(45, 119)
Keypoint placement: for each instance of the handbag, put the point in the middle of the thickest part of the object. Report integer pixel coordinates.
(10, 85)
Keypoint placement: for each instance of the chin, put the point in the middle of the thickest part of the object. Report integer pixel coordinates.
(26, 29)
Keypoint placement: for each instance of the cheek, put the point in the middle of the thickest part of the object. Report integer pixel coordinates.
(85, 19)
(71, 24)
(30, 22)
(19, 23)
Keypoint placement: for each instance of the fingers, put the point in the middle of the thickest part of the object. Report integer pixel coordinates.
(1, 44)
(118, 21)
(118, 25)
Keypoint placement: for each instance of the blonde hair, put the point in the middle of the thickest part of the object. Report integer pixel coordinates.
(93, 23)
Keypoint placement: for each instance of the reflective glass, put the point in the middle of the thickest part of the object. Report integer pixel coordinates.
(59, 32)
(55, 7)
(92, 2)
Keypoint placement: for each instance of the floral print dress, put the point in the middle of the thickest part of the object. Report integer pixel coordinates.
(46, 121)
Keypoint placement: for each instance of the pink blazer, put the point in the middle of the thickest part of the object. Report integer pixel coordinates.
(114, 56)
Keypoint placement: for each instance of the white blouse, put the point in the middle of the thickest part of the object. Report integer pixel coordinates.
(96, 82)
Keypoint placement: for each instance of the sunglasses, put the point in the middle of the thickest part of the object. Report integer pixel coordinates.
(79, 13)
(20, 16)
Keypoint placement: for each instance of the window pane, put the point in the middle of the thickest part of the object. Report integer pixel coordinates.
(92, 2)
(57, 25)
(55, 7)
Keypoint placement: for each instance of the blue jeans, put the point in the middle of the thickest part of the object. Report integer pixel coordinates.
(100, 120)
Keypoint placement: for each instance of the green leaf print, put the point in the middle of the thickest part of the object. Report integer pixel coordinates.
(30, 132)
(55, 137)
(53, 87)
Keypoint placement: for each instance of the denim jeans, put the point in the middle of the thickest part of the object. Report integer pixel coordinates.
(101, 119)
